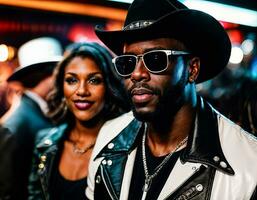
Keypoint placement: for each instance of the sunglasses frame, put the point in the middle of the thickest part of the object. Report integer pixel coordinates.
(167, 52)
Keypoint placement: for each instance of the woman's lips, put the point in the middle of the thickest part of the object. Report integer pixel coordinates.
(83, 105)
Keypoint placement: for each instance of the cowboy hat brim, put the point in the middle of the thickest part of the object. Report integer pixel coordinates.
(203, 35)
(21, 72)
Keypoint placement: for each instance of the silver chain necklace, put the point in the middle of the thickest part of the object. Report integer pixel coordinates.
(80, 151)
(149, 177)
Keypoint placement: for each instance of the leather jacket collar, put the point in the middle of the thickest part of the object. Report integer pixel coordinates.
(203, 144)
(53, 137)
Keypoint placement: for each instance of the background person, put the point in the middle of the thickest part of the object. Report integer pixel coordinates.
(86, 94)
(179, 146)
(37, 58)
(7, 147)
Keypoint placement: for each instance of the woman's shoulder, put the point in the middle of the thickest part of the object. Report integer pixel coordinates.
(49, 136)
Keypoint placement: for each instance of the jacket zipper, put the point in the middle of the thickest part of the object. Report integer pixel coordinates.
(106, 186)
(42, 178)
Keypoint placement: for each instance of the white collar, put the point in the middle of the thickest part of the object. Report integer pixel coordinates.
(39, 100)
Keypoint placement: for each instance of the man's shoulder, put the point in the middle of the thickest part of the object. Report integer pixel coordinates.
(111, 129)
(25, 119)
(235, 130)
(119, 122)
(238, 145)
(17, 121)
(23, 113)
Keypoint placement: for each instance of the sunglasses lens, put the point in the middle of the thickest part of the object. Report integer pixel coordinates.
(156, 61)
(125, 64)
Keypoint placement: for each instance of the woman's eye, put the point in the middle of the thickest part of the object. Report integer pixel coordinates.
(71, 80)
(95, 80)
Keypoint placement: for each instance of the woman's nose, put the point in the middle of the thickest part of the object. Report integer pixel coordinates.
(83, 90)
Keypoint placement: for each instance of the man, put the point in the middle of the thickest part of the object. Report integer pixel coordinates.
(37, 58)
(178, 146)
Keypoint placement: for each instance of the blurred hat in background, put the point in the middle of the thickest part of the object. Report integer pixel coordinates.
(40, 54)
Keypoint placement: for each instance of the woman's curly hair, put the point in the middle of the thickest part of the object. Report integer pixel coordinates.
(115, 101)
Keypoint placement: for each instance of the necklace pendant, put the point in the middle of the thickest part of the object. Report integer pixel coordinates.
(147, 184)
(79, 151)
(146, 187)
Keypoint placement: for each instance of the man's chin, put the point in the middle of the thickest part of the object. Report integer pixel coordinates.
(145, 116)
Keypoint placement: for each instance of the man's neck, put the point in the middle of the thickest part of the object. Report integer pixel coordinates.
(161, 140)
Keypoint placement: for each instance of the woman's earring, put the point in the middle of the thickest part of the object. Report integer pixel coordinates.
(64, 105)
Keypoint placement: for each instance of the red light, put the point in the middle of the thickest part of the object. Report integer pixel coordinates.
(236, 36)
(82, 33)
(228, 25)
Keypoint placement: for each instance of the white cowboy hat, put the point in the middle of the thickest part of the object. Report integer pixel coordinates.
(35, 54)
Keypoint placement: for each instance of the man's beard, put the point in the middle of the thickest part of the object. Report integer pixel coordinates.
(170, 101)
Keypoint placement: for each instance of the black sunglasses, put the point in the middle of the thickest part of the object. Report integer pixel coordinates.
(155, 61)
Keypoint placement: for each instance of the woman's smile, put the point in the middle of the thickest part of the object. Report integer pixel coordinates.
(83, 105)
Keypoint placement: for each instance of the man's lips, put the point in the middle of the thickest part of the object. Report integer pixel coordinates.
(82, 105)
(141, 95)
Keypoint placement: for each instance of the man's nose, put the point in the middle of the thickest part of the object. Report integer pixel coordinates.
(140, 72)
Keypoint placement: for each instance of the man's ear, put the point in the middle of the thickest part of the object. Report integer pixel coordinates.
(194, 69)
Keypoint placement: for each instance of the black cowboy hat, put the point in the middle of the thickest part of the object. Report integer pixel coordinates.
(202, 34)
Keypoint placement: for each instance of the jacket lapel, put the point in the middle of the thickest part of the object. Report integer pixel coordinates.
(204, 144)
(198, 186)
(115, 158)
(179, 174)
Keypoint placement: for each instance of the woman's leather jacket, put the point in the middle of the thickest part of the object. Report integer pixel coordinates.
(48, 142)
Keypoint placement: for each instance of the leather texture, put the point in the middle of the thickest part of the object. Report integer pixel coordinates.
(48, 142)
(24, 123)
(219, 161)
(7, 152)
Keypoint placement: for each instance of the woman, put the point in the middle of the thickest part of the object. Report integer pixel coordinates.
(86, 94)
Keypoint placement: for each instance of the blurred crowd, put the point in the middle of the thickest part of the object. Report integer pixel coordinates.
(233, 91)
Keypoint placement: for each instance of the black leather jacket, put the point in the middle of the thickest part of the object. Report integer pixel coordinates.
(7, 162)
(203, 149)
(24, 123)
(48, 142)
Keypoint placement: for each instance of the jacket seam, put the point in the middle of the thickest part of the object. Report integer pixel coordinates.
(106, 185)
